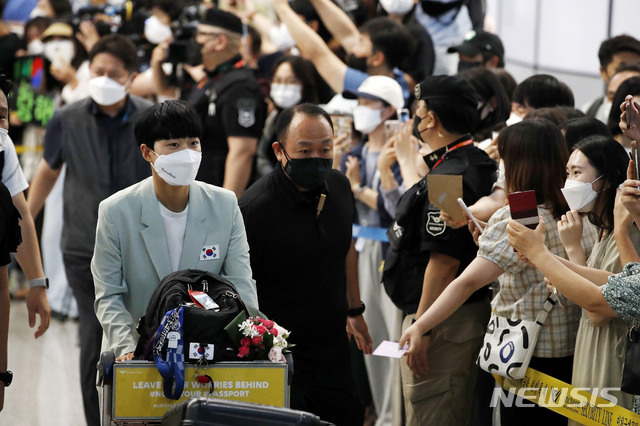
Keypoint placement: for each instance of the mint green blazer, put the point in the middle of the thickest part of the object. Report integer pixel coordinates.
(130, 257)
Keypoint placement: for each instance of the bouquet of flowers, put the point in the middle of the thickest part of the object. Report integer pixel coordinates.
(262, 339)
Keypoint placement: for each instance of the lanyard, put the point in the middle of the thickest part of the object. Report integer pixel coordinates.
(453, 148)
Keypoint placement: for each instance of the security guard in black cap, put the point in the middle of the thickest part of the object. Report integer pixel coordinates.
(426, 255)
(229, 102)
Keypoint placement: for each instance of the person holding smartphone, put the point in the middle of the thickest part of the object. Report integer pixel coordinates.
(523, 148)
(596, 167)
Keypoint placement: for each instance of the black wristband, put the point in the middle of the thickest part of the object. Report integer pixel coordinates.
(6, 377)
(428, 333)
(356, 311)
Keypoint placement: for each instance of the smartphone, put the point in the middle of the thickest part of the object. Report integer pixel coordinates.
(634, 157)
(524, 208)
(343, 125)
(404, 115)
(391, 127)
(626, 108)
(464, 207)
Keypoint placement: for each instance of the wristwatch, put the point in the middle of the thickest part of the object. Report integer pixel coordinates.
(39, 282)
(6, 377)
(356, 311)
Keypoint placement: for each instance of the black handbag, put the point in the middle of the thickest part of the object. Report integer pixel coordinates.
(631, 371)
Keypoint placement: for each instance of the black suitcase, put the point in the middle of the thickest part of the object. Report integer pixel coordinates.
(221, 412)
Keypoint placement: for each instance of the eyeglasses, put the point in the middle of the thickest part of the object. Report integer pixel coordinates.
(207, 33)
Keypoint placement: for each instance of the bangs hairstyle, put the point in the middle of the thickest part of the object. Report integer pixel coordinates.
(535, 158)
(304, 71)
(168, 120)
(610, 160)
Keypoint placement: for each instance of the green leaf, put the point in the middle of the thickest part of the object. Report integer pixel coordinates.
(232, 328)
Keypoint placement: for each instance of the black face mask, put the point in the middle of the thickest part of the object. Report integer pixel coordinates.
(416, 122)
(193, 53)
(308, 173)
(356, 62)
(466, 65)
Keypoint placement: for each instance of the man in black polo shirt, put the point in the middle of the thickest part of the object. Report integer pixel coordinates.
(298, 220)
(94, 138)
(426, 255)
(229, 102)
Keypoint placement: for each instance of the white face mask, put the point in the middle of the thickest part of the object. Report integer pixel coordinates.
(4, 134)
(286, 95)
(179, 168)
(36, 47)
(280, 37)
(397, 7)
(366, 119)
(59, 52)
(155, 31)
(579, 195)
(105, 91)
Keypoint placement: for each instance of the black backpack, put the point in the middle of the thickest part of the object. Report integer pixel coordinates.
(405, 262)
(200, 325)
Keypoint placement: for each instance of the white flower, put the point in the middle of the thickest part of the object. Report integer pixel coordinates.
(275, 354)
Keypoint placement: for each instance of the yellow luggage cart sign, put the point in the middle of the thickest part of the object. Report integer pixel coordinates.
(137, 386)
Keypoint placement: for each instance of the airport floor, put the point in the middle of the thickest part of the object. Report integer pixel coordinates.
(46, 388)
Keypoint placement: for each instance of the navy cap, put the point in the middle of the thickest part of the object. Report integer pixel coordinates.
(449, 88)
(220, 18)
(476, 42)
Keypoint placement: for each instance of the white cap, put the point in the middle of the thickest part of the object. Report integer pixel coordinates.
(382, 87)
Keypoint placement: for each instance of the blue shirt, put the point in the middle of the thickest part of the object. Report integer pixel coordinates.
(18, 10)
(354, 78)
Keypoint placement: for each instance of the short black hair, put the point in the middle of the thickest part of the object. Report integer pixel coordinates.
(630, 86)
(6, 85)
(550, 114)
(61, 8)
(286, 116)
(119, 46)
(578, 129)
(391, 38)
(167, 120)
(615, 45)
(543, 90)
(570, 112)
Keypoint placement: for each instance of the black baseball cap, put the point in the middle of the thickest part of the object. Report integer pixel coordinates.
(449, 88)
(221, 19)
(476, 42)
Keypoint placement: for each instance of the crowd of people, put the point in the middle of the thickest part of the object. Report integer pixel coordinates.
(298, 140)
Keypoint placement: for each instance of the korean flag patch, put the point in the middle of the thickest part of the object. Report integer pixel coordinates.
(210, 252)
(246, 112)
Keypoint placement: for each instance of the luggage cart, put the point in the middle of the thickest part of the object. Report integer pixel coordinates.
(132, 390)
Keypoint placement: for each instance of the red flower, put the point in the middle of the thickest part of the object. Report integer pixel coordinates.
(244, 351)
(256, 340)
(261, 329)
(268, 324)
(274, 331)
(245, 341)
